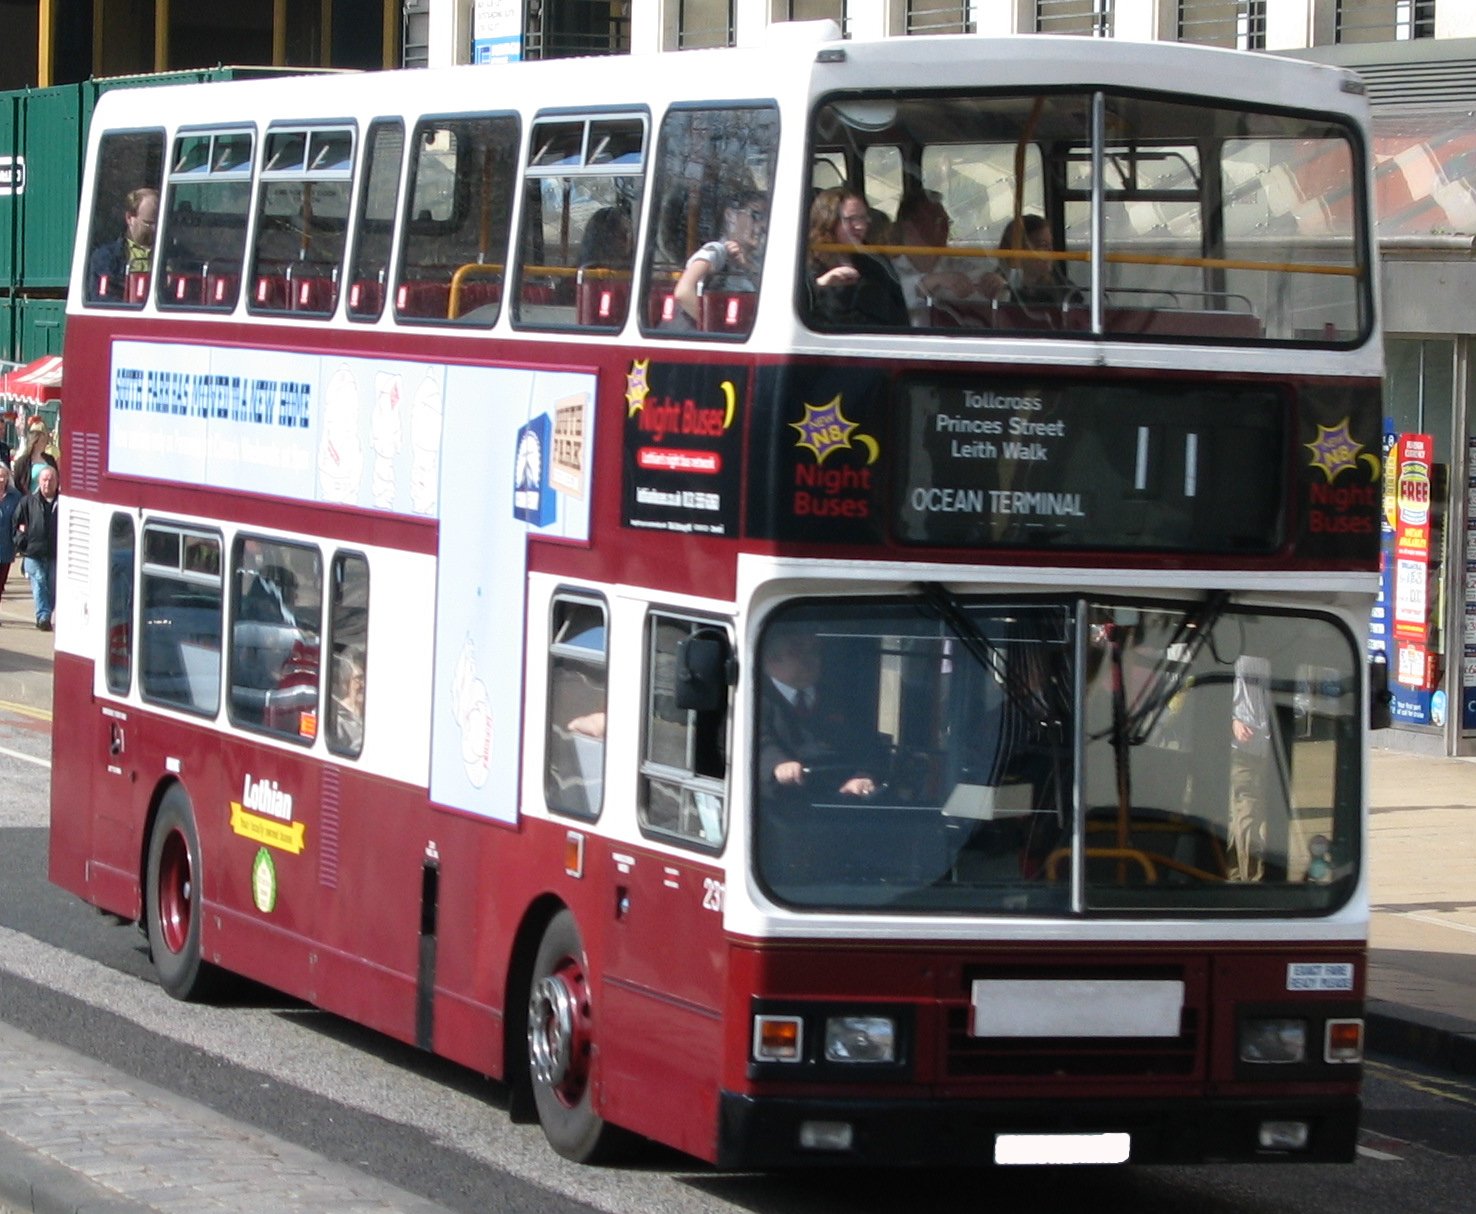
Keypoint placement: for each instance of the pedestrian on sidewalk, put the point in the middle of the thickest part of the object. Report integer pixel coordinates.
(32, 455)
(10, 498)
(34, 534)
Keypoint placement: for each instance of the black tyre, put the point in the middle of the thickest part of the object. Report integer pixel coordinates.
(561, 1034)
(172, 900)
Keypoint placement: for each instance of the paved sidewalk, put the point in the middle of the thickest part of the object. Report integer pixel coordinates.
(1422, 938)
(79, 1137)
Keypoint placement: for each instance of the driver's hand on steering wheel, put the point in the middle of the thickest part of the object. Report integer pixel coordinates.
(858, 786)
(791, 771)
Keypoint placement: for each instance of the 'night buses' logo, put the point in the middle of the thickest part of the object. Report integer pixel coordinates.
(840, 490)
(1335, 451)
(1348, 509)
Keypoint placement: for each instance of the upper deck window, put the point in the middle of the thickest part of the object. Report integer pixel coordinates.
(710, 220)
(379, 192)
(125, 218)
(301, 220)
(204, 231)
(580, 210)
(1099, 214)
(454, 257)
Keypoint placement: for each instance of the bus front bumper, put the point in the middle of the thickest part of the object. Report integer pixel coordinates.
(774, 1132)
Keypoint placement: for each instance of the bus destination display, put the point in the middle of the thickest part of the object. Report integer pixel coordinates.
(1043, 464)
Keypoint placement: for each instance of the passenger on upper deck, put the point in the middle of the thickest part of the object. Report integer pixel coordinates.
(851, 287)
(923, 224)
(132, 253)
(737, 255)
(1034, 279)
(609, 241)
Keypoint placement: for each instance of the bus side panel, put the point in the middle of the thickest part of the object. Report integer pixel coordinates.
(95, 846)
(343, 930)
(664, 983)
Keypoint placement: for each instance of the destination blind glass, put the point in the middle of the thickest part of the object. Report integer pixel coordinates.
(1185, 467)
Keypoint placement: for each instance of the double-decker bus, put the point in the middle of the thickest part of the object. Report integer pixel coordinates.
(805, 604)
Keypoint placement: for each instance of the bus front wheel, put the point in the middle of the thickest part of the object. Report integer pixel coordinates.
(561, 1034)
(172, 899)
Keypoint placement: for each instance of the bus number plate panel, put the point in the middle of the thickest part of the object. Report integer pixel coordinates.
(1008, 1007)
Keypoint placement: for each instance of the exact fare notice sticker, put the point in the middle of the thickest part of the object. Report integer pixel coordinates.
(1319, 976)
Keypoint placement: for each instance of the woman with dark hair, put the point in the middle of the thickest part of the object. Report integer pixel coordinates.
(609, 241)
(736, 257)
(849, 287)
(1036, 277)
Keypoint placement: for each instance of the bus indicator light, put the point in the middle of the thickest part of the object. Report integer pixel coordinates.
(574, 854)
(778, 1038)
(1344, 1041)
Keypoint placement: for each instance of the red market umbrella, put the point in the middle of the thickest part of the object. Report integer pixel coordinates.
(37, 383)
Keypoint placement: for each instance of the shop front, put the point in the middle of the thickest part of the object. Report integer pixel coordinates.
(1425, 623)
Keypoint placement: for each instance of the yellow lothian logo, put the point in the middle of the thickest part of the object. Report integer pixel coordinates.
(284, 836)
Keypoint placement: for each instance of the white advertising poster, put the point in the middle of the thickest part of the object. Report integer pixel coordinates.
(494, 454)
(313, 428)
(503, 476)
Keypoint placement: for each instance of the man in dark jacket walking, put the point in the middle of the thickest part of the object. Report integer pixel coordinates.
(35, 530)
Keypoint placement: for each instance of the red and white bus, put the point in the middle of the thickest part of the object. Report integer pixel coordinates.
(448, 572)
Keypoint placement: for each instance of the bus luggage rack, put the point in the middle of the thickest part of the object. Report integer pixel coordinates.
(1070, 1057)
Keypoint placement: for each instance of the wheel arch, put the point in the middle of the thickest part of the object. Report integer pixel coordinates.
(162, 788)
(535, 921)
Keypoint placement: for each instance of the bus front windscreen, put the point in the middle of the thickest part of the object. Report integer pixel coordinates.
(964, 755)
(975, 213)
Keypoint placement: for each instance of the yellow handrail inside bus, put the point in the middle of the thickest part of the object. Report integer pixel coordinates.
(472, 269)
(1150, 864)
(1136, 259)
(1053, 861)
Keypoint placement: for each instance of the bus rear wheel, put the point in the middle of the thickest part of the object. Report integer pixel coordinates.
(561, 1034)
(172, 899)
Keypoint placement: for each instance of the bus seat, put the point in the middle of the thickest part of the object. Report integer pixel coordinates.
(1181, 322)
(602, 302)
(479, 293)
(314, 293)
(185, 288)
(295, 696)
(366, 297)
(661, 306)
(220, 290)
(960, 314)
(270, 291)
(137, 289)
(727, 311)
(423, 298)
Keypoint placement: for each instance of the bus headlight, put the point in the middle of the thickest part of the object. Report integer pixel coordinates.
(860, 1039)
(1273, 1040)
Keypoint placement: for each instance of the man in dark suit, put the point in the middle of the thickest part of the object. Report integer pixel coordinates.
(796, 735)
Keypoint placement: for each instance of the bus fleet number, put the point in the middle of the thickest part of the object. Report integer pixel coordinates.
(712, 894)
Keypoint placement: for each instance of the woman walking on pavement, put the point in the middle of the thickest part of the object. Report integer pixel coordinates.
(29, 458)
(10, 498)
